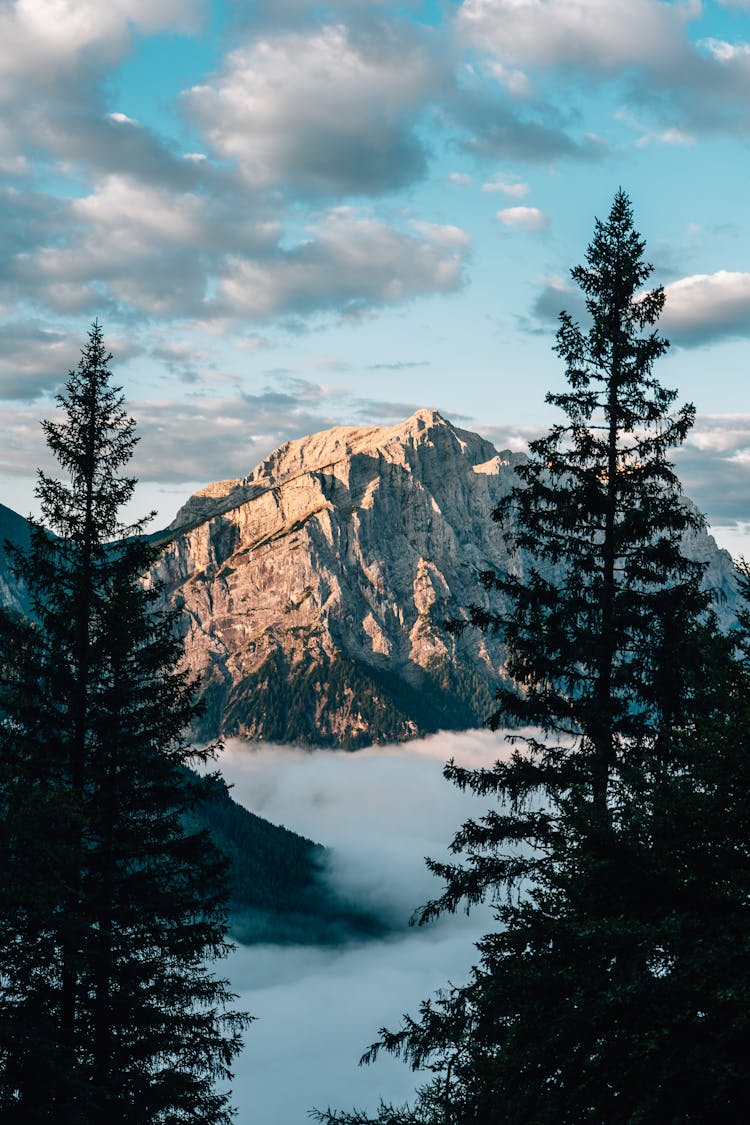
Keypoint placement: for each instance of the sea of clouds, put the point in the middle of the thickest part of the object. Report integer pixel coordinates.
(380, 811)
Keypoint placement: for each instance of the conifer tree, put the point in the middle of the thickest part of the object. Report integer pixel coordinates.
(109, 1011)
(613, 987)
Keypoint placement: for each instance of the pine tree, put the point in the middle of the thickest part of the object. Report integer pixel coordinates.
(613, 988)
(110, 910)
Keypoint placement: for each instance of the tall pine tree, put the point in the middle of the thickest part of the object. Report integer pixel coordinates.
(613, 988)
(110, 910)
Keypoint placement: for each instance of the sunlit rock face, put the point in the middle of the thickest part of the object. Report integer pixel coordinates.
(315, 591)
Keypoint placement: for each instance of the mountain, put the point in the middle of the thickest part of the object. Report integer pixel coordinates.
(314, 591)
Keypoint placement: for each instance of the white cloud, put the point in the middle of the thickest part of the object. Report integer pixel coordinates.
(713, 465)
(722, 433)
(523, 218)
(726, 52)
(442, 234)
(49, 41)
(321, 112)
(515, 81)
(141, 247)
(56, 60)
(122, 119)
(672, 136)
(514, 190)
(699, 309)
(594, 34)
(362, 805)
(134, 214)
(509, 437)
(705, 307)
(349, 262)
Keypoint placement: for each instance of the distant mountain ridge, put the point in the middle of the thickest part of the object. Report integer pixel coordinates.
(13, 528)
(314, 591)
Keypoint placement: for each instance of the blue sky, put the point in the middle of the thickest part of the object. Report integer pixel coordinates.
(289, 215)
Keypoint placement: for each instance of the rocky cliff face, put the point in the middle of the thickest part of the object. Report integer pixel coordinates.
(315, 591)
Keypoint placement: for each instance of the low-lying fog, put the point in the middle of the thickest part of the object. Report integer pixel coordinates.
(380, 811)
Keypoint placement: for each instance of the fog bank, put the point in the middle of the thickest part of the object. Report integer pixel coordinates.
(380, 811)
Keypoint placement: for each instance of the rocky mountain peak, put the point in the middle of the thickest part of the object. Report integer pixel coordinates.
(320, 452)
(315, 589)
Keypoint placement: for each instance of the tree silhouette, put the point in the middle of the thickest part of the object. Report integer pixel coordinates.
(610, 991)
(110, 910)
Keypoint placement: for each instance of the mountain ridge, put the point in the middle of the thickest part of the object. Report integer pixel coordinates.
(324, 445)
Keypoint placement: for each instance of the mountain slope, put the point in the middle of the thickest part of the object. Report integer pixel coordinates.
(13, 529)
(278, 889)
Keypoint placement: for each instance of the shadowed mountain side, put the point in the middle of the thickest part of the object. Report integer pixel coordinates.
(15, 529)
(278, 891)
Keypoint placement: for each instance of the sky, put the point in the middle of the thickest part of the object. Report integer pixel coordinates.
(380, 812)
(289, 215)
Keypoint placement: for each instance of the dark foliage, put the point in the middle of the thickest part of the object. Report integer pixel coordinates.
(109, 910)
(304, 704)
(616, 986)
